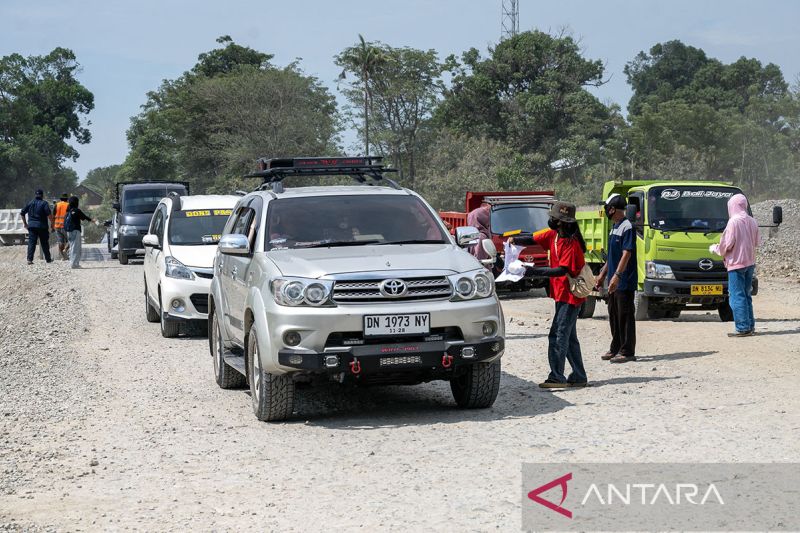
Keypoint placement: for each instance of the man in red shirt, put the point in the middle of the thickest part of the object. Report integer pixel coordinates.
(564, 241)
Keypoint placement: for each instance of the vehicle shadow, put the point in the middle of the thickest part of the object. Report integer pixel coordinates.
(673, 356)
(336, 406)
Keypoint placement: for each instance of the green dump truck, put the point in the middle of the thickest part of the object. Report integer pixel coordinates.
(675, 223)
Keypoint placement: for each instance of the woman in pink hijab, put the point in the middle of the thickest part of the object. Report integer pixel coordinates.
(738, 250)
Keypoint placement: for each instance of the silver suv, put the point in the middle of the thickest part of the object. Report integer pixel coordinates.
(357, 284)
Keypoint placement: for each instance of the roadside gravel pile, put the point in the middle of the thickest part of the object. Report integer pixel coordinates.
(43, 389)
(779, 248)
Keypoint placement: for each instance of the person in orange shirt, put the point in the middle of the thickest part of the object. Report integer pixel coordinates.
(57, 225)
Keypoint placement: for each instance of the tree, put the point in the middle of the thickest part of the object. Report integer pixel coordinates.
(363, 60)
(42, 107)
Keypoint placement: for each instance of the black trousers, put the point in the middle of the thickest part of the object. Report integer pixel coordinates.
(43, 236)
(622, 318)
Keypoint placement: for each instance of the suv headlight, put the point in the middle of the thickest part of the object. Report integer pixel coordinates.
(658, 271)
(471, 285)
(301, 291)
(176, 269)
(125, 229)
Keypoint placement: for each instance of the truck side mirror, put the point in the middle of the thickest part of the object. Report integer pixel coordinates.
(777, 215)
(116, 206)
(630, 212)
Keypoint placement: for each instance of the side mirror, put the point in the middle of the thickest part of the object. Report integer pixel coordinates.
(116, 206)
(777, 215)
(630, 212)
(489, 247)
(234, 244)
(151, 240)
(467, 236)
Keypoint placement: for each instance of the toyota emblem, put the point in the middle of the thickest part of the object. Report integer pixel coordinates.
(706, 264)
(393, 288)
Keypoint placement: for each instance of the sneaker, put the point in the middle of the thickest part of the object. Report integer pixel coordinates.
(552, 384)
(623, 358)
(30, 262)
(576, 384)
(742, 334)
(607, 356)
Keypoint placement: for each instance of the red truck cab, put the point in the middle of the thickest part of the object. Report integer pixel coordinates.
(510, 210)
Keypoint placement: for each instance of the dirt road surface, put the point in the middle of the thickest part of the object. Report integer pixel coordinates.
(105, 425)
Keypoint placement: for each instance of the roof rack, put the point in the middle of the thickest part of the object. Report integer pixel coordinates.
(274, 171)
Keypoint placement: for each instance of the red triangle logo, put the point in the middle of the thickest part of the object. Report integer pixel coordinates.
(562, 482)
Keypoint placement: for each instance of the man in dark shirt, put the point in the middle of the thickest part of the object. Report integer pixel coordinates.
(622, 284)
(35, 218)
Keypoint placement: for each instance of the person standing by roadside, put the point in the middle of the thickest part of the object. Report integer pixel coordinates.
(479, 218)
(622, 284)
(35, 217)
(57, 219)
(737, 246)
(73, 227)
(567, 248)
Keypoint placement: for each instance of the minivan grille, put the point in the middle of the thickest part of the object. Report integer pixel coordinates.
(368, 290)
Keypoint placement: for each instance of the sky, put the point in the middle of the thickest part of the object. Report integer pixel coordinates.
(127, 48)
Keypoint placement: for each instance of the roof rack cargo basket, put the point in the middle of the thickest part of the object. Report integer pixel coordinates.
(274, 171)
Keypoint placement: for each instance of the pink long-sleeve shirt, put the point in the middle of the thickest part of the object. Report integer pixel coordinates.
(740, 238)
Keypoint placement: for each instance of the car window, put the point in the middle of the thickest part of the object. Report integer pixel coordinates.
(243, 222)
(197, 227)
(351, 221)
(154, 223)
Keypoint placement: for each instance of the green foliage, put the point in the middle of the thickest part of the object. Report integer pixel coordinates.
(41, 109)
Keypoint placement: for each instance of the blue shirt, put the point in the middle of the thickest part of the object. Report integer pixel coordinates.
(37, 210)
(623, 237)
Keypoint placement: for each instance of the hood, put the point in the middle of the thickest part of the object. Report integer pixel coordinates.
(319, 262)
(737, 205)
(691, 245)
(140, 220)
(195, 256)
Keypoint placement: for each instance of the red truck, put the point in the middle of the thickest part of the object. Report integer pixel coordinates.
(510, 210)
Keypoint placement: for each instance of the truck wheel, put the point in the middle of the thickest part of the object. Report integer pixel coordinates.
(150, 312)
(587, 308)
(123, 258)
(725, 312)
(225, 376)
(478, 386)
(272, 394)
(642, 307)
(169, 329)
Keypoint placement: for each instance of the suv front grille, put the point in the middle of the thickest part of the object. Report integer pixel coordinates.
(358, 291)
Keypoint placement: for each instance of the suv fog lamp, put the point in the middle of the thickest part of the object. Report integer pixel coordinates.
(465, 287)
(315, 294)
(489, 328)
(291, 338)
(468, 352)
(293, 292)
(295, 359)
(178, 305)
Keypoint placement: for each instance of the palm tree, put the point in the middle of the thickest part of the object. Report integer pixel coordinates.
(363, 59)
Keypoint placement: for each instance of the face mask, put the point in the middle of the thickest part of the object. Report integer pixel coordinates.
(552, 224)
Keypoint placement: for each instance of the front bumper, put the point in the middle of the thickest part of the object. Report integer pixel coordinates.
(130, 244)
(193, 294)
(671, 291)
(323, 330)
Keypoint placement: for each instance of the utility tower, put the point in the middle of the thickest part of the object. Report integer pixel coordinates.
(509, 25)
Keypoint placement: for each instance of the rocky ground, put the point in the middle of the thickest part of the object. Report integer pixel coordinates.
(105, 425)
(778, 253)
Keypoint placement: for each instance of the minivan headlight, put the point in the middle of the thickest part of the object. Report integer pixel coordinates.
(294, 292)
(658, 271)
(176, 269)
(470, 285)
(126, 229)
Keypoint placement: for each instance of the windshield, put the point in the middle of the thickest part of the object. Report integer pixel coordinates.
(196, 227)
(138, 201)
(527, 218)
(689, 208)
(350, 221)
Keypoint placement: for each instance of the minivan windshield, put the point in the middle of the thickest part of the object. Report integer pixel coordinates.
(690, 207)
(356, 220)
(139, 201)
(197, 227)
(525, 217)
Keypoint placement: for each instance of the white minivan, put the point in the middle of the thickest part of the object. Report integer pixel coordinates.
(180, 246)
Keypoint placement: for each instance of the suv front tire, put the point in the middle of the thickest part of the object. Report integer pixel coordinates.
(477, 386)
(272, 394)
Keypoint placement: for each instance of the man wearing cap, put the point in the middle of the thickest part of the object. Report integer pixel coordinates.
(621, 263)
(35, 218)
(57, 219)
(565, 243)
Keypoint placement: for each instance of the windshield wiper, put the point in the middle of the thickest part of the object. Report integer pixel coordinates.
(414, 241)
(338, 243)
(683, 228)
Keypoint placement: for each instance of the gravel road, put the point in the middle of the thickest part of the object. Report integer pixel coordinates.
(105, 425)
